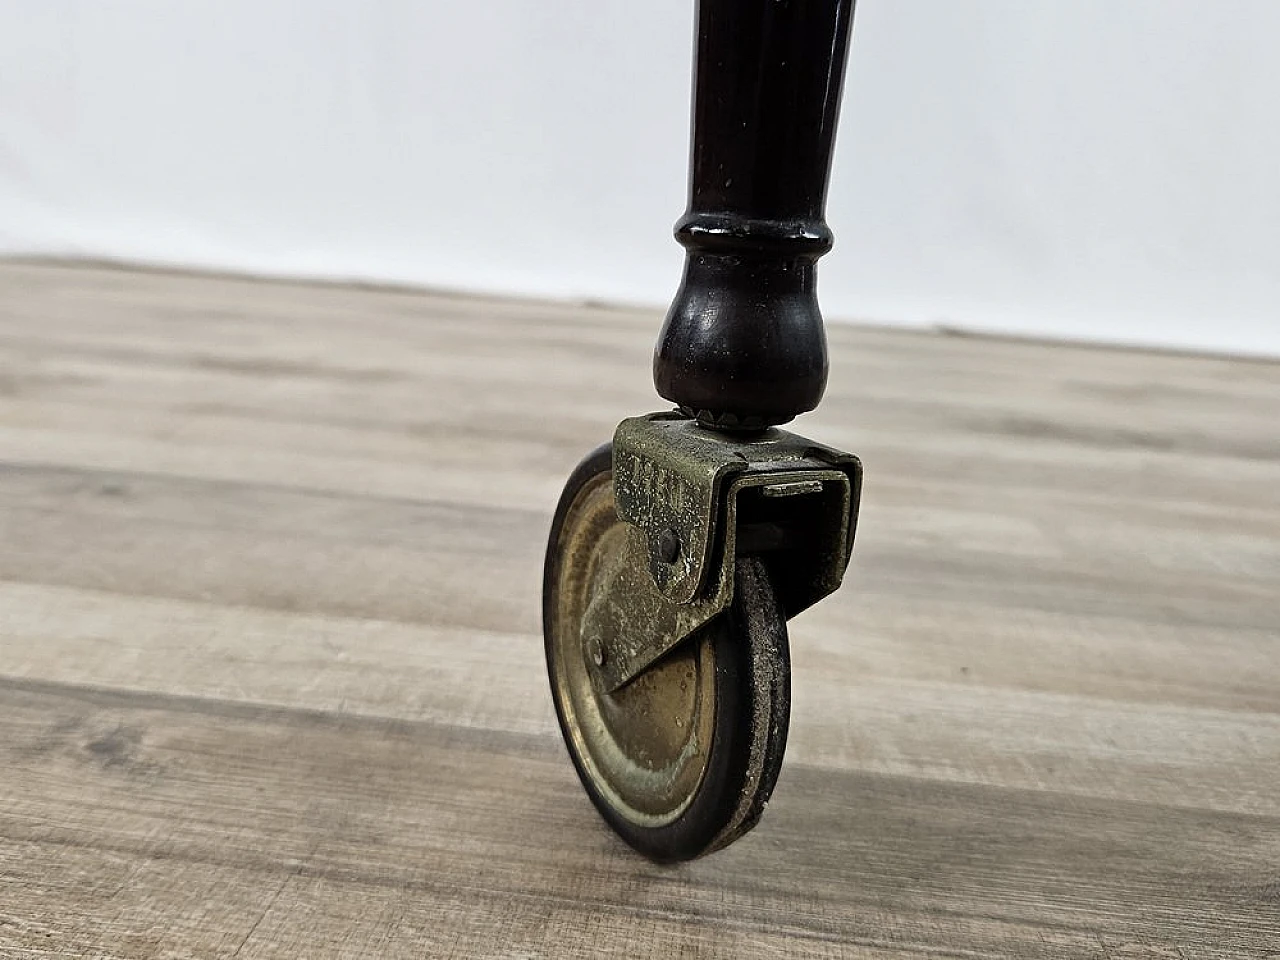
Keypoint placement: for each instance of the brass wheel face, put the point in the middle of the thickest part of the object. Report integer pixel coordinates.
(645, 747)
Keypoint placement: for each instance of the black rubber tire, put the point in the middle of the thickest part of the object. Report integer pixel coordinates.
(752, 682)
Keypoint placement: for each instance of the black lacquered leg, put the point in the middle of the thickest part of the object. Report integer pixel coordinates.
(743, 344)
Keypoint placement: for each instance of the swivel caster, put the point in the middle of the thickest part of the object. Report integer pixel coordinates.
(679, 551)
(676, 555)
(681, 760)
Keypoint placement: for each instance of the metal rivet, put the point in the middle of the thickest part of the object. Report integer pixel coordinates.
(669, 545)
(596, 649)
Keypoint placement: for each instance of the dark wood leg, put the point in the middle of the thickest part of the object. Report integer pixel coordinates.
(743, 344)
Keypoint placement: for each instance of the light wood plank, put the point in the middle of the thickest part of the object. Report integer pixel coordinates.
(285, 833)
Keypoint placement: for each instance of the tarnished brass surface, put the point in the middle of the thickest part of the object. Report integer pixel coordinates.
(628, 617)
(645, 746)
(680, 488)
(632, 624)
(671, 475)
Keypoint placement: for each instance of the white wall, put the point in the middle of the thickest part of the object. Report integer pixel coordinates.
(1079, 168)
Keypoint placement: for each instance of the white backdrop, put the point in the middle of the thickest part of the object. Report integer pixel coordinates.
(1080, 168)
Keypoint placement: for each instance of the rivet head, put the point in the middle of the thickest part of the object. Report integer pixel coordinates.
(595, 649)
(668, 545)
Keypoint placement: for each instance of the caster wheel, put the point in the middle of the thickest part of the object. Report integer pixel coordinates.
(681, 760)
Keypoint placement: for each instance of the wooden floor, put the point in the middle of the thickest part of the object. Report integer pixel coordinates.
(271, 679)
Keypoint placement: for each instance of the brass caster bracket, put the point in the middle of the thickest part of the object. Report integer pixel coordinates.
(695, 498)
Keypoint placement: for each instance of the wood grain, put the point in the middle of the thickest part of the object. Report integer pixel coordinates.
(271, 678)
